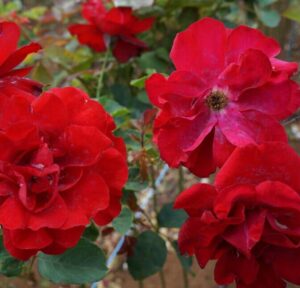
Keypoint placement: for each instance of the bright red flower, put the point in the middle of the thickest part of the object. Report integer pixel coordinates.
(10, 57)
(118, 27)
(228, 91)
(249, 221)
(60, 166)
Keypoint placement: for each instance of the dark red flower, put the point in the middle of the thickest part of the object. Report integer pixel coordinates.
(228, 91)
(60, 166)
(118, 27)
(249, 221)
(10, 57)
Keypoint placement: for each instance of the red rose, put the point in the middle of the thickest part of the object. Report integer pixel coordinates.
(60, 166)
(228, 91)
(117, 26)
(249, 221)
(10, 57)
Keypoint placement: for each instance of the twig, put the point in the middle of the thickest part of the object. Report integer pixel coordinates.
(101, 76)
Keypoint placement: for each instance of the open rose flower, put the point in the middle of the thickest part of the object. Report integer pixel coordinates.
(249, 221)
(12, 78)
(60, 167)
(228, 91)
(117, 27)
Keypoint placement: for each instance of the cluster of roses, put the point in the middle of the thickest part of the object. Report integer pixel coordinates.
(222, 108)
(60, 164)
(116, 27)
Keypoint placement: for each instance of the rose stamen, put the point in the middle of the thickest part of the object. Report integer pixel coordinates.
(216, 100)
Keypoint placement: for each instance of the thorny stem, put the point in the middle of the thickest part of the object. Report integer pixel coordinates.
(141, 284)
(101, 76)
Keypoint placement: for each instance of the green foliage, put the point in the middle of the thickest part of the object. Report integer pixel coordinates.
(149, 256)
(270, 18)
(293, 12)
(9, 266)
(124, 221)
(171, 218)
(84, 263)
(91, 232)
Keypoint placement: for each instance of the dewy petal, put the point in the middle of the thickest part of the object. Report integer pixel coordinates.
(252, 70)
(124, 50)
(12, 214)
(83, 145)
(221, 147)
(184, 86)
(67, 238)
(17, 57)
(50, 113)
(183, 135)
(201, 161)
(196, 198)
(196, 51)
(9, 37)
(89, 35)
(105, 216)
(272, 99)
(28, 239)
(266, 127)
(90, 195)
(238, 130)
(243, 38)
(246, 235)
(140, 25)
(264, 162)
(286, 264)
(278, 195)
(52, 217)
(115, 178)
(250, 127)
(280, 66)
(93, 9)
(22, 254)
(232, 266)
(116, 20)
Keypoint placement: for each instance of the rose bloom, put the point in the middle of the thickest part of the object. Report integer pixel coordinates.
(117, 27)
(249, 220)
(60, 167)
(228, 91)
(12, 78)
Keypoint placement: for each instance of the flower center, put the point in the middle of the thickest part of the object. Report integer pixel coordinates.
(216, 100)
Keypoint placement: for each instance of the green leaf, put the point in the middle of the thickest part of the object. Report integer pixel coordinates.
(84, 263)
(113, 107)
(41, 74)
(149, 257)
(185, 261)
(134, 182)
(9, 266)
(171, 218)
(139, 83)
(264, 3)
(270, 18)
(123, 222)
(292, 13)
(136, 186)
(91, 232)
(35, 13)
